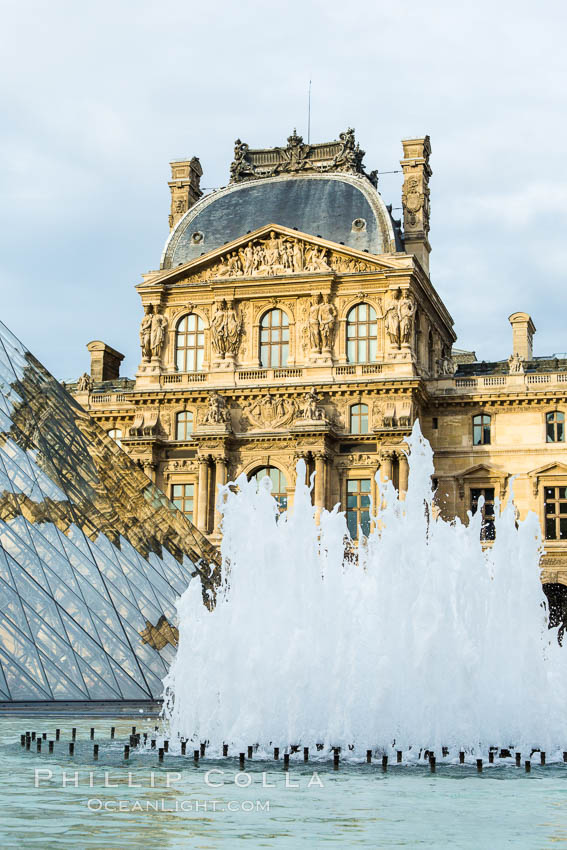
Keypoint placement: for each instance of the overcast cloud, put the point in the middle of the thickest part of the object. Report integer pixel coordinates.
(98, 97)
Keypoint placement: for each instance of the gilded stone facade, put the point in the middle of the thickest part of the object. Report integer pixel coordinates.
(291, 318)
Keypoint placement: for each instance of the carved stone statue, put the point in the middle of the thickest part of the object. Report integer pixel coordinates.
(247, 259)
(157, 334)
(85, 383)
(297, 256)
(392, 322)
(146, 332)
(218, 413)
(327, 320)
(226, 330)
(447, 366)
(311, 409)
(240, 167)
(515, 365)
(316, 260)
(406, 310)
(231, 267)
(314, 325)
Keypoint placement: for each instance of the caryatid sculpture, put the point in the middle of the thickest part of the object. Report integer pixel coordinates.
(314, 325)
(406, 312)
(157, 334)
(327, 319)
(399, 319)
(146, 332)
(392, 322)
(226, 330)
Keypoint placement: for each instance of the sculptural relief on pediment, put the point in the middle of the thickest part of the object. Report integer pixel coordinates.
(277, 255)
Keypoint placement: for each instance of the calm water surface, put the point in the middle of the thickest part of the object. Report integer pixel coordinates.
(80, 804)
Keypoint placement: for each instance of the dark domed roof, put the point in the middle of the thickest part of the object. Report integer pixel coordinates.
(342, 208)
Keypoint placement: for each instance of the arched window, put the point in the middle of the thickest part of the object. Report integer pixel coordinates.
(481, 429)
(359, 419)
(555, 427)
(183, 425)
(189, 344)
(116, 435)
(279, 484)
(362, 334)
(274, 339)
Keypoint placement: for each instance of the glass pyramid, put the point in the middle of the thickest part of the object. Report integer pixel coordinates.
(92, 554)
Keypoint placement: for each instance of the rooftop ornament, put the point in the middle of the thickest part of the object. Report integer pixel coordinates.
(344, 155)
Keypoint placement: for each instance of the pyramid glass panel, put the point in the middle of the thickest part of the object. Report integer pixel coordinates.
(92, 555)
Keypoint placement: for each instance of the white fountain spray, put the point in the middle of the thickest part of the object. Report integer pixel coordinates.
(425, 639)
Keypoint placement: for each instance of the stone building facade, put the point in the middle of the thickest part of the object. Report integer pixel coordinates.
(293, 317)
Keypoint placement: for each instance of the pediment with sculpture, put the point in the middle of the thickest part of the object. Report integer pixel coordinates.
(276, 251)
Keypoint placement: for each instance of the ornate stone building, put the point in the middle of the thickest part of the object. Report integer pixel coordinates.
(293, 316)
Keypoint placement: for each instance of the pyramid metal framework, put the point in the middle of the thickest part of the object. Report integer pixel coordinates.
(92, 554)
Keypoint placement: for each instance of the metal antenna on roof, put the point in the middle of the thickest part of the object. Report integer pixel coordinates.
(309, 115)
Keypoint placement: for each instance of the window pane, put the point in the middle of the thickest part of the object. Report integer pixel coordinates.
(365, 523)
(549, 528)
(560, 432)
(549, 492)
(364, 423)
(562, 492)
(351, 486)
(563, 528)
(352, 524)
(365, 485)
(352, 501)
(351, 351)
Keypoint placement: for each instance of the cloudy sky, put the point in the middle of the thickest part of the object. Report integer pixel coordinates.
(97, 97)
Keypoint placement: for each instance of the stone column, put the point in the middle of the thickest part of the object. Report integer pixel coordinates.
(203, 496)
(403, 467)
(220, 478)
(386, 466)
(320, 479)
(374, 490)
(304, 456)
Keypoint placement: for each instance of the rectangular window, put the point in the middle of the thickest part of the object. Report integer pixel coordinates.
(487, 530)
(555, 509)
(182, 496)
(358, 506)
(184, 427)
(481, 430)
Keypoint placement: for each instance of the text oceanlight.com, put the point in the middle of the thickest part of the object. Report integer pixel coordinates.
(172, 806)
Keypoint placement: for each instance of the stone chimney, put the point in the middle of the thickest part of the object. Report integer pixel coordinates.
(415, 198)
(105, 361)
(184, 186)
(523, 330)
